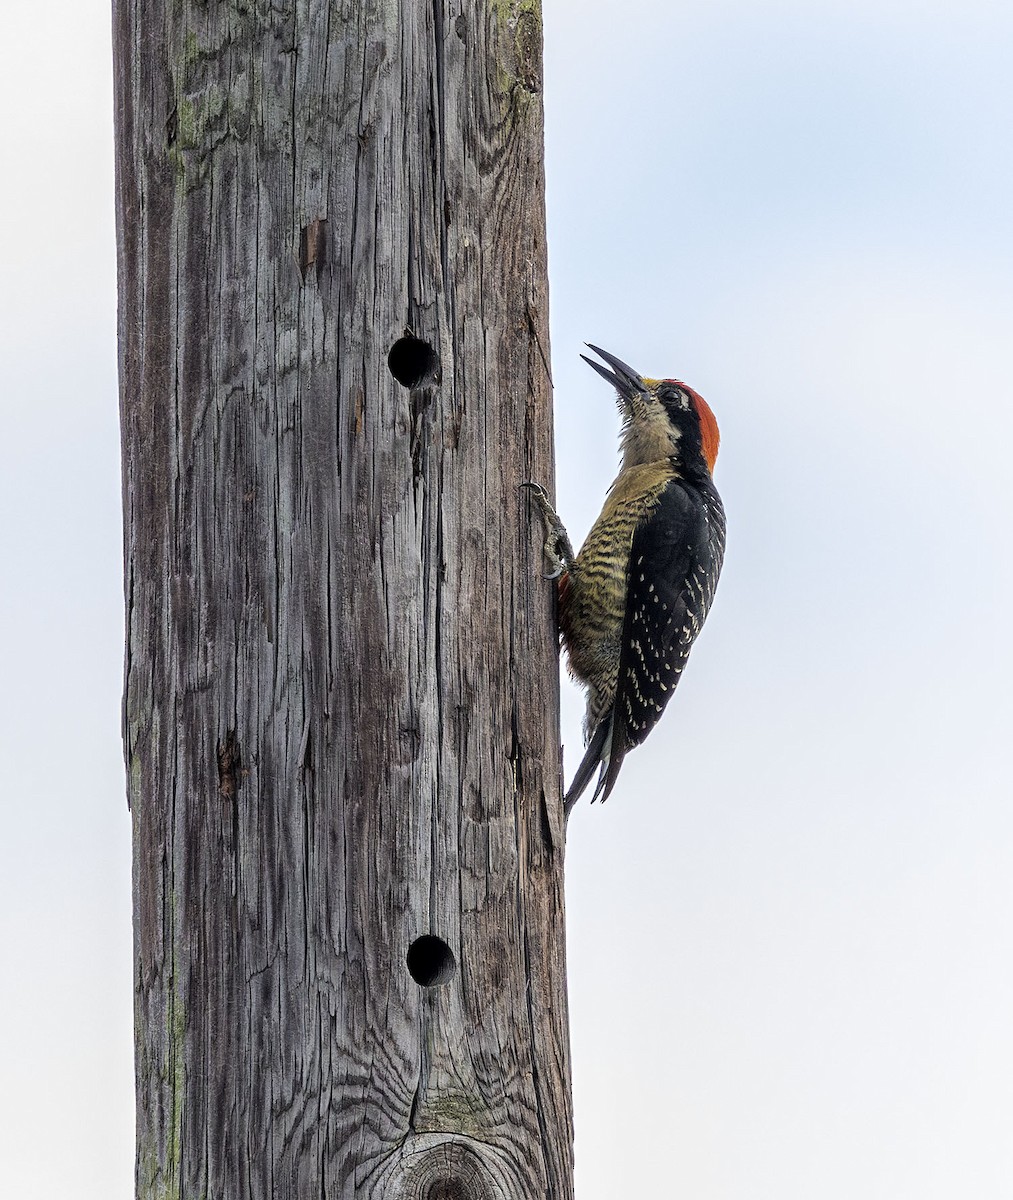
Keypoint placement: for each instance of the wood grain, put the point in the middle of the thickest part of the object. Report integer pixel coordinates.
(341, 703)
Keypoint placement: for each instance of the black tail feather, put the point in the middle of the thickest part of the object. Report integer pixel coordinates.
(604, 750)
(619, 746)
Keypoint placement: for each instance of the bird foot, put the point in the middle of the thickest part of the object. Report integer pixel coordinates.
(557, 548)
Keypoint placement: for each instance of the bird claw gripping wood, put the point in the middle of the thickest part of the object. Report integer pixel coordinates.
(557, 548)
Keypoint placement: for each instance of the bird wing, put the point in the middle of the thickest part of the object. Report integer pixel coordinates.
(675, 559)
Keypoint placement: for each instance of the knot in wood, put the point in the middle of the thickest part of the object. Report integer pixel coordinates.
(441, 1167)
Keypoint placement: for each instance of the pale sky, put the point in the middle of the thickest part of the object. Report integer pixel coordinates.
(791, 927)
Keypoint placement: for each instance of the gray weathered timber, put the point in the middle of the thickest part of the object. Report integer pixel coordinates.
(341, 703)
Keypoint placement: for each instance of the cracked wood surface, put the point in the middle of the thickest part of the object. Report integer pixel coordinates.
(341, 708)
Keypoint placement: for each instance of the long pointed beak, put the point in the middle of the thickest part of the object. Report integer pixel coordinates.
(623, 378)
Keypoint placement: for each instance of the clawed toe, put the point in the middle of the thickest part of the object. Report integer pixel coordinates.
(557, 545)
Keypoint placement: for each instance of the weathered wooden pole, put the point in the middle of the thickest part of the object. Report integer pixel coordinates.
(341, 703)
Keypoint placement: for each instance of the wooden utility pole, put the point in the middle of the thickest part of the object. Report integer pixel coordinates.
(341, 702)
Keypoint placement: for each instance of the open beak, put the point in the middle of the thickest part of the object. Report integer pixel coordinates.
(623, 378)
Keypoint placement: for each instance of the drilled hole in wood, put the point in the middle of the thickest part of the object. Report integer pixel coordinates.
(413, 362)
(431, 962)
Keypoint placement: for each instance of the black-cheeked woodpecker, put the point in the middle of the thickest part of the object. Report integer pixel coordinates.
(633, 600)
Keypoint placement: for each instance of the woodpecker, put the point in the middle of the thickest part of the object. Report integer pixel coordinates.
(633, 600)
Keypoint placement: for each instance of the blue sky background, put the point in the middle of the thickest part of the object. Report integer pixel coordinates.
(790, 929)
